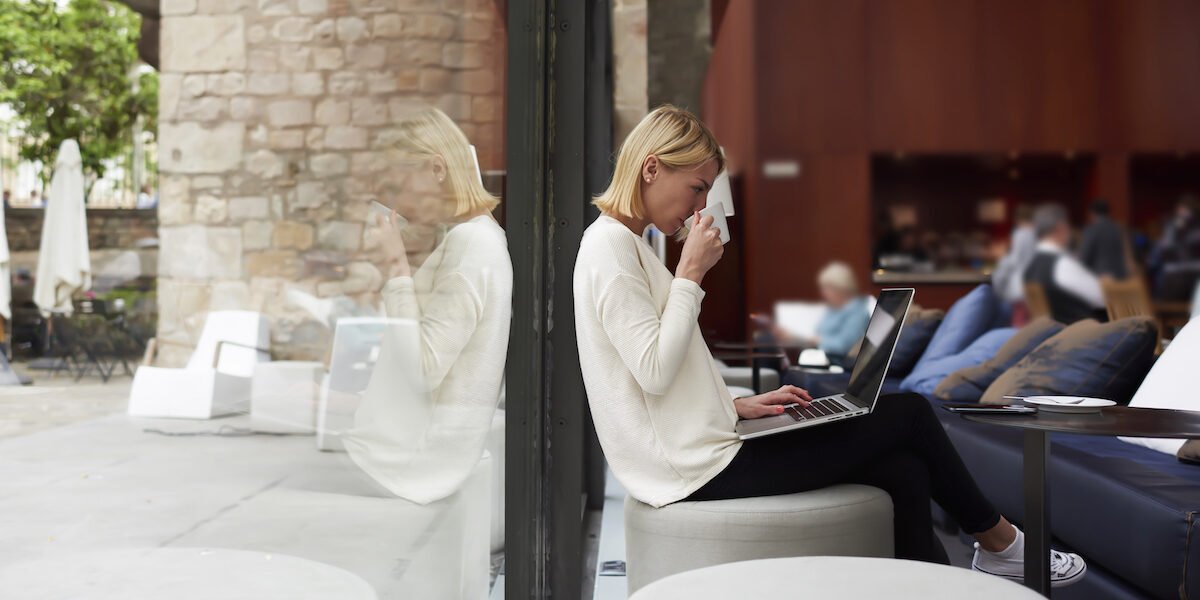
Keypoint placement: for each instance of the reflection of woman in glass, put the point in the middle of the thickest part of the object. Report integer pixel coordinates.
(666, 419)
(421, 441)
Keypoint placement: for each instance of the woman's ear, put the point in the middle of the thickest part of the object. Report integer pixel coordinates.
(650, 168)
(438, 165)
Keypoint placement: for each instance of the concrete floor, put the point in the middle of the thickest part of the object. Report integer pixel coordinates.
(56, 401)
(75, 489)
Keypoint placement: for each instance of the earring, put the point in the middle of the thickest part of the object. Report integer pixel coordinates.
(647, 180)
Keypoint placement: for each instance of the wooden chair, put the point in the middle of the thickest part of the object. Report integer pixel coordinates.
(1036, 301)
(1130, 298)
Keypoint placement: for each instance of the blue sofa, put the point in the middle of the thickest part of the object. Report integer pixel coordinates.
(1140, 531)
(1133, 513)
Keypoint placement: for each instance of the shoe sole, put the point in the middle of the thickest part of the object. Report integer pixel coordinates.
(1054, 583)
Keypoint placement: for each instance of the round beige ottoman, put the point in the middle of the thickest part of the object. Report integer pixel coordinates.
(840, 520)
(834, 577)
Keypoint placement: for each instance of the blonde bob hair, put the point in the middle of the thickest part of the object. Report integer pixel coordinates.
(676, 137)
(427, 133)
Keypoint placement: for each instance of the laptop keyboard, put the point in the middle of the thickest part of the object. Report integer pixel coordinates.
(820, 408)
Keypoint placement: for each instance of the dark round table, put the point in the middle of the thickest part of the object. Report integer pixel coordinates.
(1112, 421)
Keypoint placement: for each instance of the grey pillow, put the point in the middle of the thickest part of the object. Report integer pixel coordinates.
(968, 384)
(1102, 360)
(1189, 452)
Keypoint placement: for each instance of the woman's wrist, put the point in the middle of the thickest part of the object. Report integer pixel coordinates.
(685, 271)
(399, 268)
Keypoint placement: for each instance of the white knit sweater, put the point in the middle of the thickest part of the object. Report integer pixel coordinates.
(663, 414)
(426, 414)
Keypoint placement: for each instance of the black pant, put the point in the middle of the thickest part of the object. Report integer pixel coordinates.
(900, 447)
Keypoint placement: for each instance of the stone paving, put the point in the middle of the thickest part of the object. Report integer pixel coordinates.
(56, 401)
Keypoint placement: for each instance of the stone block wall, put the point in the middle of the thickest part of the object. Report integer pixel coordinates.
(272, 120)
(107, 228)
(630, 69)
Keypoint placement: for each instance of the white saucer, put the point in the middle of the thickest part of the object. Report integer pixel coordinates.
(1058, 404)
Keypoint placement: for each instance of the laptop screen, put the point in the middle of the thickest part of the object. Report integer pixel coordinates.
(878, 342)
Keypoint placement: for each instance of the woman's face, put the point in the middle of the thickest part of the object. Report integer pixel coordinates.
(834, 296)
(416, 190)
(671, 196)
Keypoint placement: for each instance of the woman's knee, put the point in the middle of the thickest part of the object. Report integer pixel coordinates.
(903, 475)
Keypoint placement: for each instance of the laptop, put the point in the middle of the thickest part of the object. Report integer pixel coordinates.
(866, 378)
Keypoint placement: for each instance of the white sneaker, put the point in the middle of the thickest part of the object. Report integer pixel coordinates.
(1065, 568)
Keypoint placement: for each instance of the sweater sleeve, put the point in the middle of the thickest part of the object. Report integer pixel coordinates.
(651, 347)
(446, 319)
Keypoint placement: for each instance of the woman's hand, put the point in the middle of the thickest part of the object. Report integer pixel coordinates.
(701, 250)
(771, 403)
(387, 234)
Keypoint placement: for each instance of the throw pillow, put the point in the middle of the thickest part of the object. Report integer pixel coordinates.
(926, 378)
(919, 325)
(1171, 383)
(1189, 452)
(970, 316)
(1102, 360)
(968, 385)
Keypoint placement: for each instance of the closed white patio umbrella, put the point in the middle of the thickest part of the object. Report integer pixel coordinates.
(64, 266)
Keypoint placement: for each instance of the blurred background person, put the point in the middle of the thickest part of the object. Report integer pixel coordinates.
(1174, 263)
(1008, 280)
(843, 323)
(1102, 247)
(847, 318)
(144, 199)
(1071, 289)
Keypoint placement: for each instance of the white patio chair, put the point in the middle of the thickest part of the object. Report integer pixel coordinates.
(217, 378)
(356, 346)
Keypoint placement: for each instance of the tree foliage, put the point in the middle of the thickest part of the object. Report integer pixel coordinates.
(65, 71)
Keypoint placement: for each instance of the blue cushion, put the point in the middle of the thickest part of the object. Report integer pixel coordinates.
(970, 316)
(968, 384)
(926, 377)
(918, 329)
(1103, 360)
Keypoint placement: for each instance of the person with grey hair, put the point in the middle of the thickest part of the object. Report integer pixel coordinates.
(1008, 278)
(844, 322)
(1071, 289)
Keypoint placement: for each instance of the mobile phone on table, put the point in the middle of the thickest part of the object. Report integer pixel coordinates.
(990, 409)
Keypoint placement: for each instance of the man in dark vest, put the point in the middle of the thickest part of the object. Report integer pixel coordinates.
(1072, 291)
(1102, 244)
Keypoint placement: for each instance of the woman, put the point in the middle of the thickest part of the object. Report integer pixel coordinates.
(426, 413)
(664, 416)
(841, 328)
(838, 331)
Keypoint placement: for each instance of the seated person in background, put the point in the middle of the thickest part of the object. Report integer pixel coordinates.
(1102, 245)
(1073, 292)
(847, 318)
(1009, 277)
(842, 326)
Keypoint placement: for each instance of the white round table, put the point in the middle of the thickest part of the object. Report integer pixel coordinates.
(180, 574)
(843, 578)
